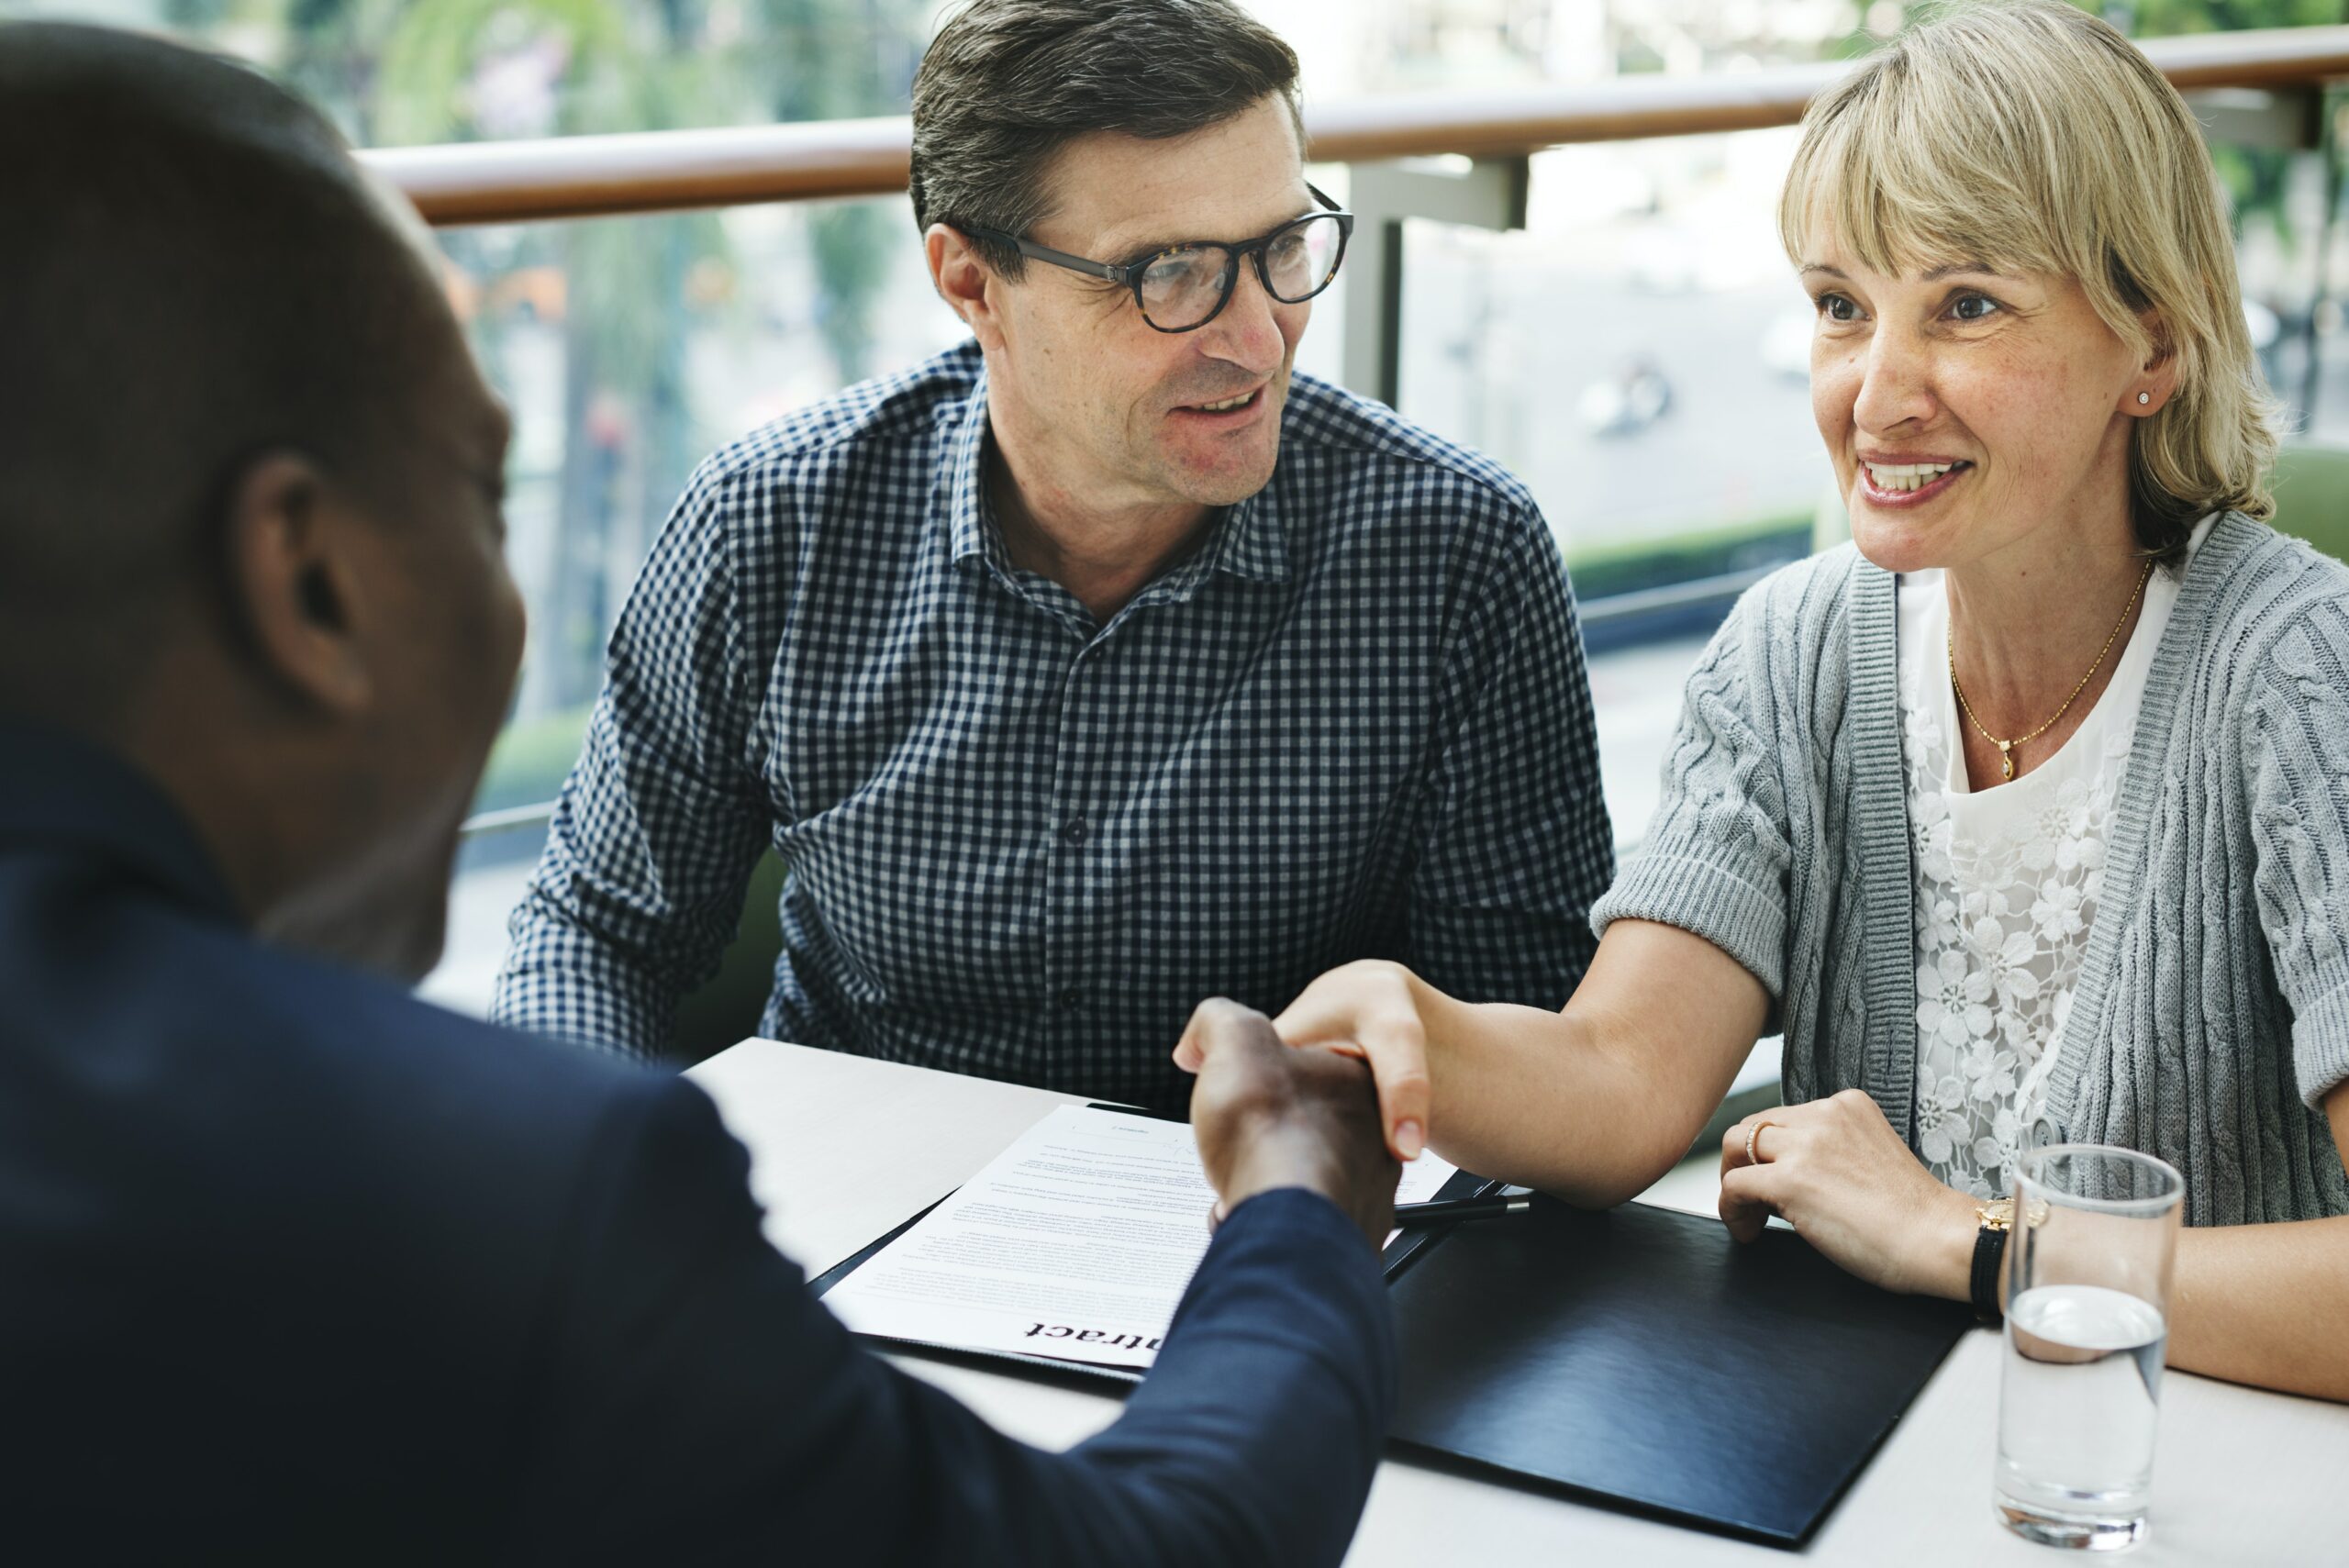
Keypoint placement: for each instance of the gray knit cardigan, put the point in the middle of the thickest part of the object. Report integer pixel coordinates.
(2211, 1011)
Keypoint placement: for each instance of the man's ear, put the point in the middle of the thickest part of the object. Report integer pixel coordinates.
(293, 583)
(965, 281)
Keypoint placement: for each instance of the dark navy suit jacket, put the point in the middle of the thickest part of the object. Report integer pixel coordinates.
(294, 1267)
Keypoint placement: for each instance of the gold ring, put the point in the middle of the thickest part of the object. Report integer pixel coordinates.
(1753, 1148)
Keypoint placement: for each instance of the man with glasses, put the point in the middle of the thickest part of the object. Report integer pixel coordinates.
(1101, 664)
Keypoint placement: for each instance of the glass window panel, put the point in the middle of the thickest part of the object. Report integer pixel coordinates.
(399, 73)
(1638, 355)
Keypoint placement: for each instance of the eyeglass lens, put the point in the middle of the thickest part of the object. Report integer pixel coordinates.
(1182, 287)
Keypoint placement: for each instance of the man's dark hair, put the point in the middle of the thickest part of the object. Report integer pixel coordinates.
(193, 273)
(1007, 84)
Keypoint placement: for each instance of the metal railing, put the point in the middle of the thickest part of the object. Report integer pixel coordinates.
(2257, 87)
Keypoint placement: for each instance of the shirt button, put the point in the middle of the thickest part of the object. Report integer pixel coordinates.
(1070, 998)
(1073, 830)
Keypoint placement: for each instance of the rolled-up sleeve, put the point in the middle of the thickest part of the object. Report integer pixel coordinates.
(1717, 859)
(2296, 757)
(641, 884)
(1518, 843)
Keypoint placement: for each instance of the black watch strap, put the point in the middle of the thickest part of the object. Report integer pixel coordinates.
(1989, 1251)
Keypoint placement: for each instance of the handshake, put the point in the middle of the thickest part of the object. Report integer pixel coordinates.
(1267, 1115)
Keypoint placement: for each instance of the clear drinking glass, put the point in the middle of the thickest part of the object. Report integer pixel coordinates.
(2090, 1256)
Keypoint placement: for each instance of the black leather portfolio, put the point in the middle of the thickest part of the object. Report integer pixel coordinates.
(1636, 1358)
(1640, 1356)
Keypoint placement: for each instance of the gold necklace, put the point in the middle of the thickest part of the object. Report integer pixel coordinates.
(2007, 748)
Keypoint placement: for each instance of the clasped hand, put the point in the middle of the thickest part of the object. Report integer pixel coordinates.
(1267, 1115)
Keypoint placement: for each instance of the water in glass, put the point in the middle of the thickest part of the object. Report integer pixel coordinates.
(2078, 1412)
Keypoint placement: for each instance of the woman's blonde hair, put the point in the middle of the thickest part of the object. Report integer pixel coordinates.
(2028, 136)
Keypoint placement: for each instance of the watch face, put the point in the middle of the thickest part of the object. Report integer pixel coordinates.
(1998, 1213)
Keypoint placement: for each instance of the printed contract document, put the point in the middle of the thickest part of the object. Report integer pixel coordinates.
(1075, 1244)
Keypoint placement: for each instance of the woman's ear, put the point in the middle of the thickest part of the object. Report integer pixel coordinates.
(2155, 383)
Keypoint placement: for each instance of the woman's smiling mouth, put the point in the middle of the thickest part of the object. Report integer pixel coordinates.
(1908, 484)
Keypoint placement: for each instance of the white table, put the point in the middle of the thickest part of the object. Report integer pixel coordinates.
(843, 1148)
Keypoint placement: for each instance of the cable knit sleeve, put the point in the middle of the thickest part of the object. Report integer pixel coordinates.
(1716, 859)
(2296, 766)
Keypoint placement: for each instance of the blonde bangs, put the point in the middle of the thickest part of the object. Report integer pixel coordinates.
(2030, 137)
(1888, 174)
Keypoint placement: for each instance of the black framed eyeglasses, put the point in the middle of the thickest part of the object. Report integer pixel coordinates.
(1183, 287)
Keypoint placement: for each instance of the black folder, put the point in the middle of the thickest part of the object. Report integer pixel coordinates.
(1639, 1357)
(1636, 1358)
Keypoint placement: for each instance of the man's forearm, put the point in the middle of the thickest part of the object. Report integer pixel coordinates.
(1252, 1444)
(1256, 1436)
(563, 979)
(698, 1399)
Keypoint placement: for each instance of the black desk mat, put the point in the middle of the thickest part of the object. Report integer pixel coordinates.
(1639, 1357)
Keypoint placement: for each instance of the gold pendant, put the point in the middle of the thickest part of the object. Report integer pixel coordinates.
(2007, 757)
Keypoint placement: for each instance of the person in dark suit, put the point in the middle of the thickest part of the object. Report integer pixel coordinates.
(296, 1268)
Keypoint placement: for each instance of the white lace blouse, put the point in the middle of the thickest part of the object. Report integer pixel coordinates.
(2008, 880)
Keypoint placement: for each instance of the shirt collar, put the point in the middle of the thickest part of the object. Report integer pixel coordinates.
(58, 789)
(971, 533)
(1252, 540)
(1249, 541)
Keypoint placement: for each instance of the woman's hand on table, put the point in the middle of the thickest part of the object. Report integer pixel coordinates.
(1838, 1173)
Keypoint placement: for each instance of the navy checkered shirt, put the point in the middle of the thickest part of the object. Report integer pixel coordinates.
(1355, 722)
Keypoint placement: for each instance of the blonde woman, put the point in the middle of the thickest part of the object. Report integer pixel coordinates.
(2031, 808)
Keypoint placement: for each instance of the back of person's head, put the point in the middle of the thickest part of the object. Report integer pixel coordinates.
(1006, 84)
(249, 532)
(195, 272)
(2029, 136)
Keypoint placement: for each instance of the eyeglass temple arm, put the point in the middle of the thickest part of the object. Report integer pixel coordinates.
(1105, 270)
(1036, 252)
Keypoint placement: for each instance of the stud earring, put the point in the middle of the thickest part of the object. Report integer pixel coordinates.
(2143, 398)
